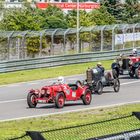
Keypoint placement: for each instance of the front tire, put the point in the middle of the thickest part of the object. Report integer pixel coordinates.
(116, 85)
(59, 100)
(99, 87)
(31, 100)
(115, 73)
(87, 97)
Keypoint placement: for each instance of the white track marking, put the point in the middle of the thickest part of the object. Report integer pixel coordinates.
(49, 79)
(35, 83)
(76, 110)
(10, 101)
(130, 82)
(14, 85)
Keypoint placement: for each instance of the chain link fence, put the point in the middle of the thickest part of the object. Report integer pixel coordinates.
(121, 128)
(50, 42)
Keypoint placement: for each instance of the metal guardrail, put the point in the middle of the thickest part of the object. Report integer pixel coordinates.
(52, 61)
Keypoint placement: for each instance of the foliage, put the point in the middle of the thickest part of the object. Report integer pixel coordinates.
(124, 13)
(23, 19)
(53, 18)
(101, 16)
(33, 45)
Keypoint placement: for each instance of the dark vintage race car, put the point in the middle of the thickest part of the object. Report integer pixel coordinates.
(96, 82)
(126, 65)
(59, 94)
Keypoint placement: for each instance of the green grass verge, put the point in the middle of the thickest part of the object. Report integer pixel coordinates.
(44, 73)
(18, 128)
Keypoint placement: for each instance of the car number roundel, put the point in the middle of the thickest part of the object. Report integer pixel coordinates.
(73, 94)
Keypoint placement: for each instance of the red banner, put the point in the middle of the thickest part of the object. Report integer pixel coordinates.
(66, 5)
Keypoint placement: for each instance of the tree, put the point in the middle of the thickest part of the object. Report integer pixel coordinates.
(53, 18)
(101, 16)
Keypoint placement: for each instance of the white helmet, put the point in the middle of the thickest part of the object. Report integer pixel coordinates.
(134, 50)
(61, 79)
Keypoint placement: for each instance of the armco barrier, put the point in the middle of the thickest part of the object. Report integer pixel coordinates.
(42, 62)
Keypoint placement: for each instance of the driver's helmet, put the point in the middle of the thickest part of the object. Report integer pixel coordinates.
(134, 51)
(60, 79)
(99, 64)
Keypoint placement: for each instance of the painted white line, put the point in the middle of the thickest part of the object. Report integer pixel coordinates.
(49, 79)
(63, 112)
(127, 83)
(15, 85)
(33, 83)
(17, 100)
(10, 101)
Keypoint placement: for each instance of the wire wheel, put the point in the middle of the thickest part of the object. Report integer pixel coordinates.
(116, 85)
(87, 97)
(59, 100)
(31, 100)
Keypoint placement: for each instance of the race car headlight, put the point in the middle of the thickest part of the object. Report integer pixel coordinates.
(37, 91)
(43, 91)
(48, 92)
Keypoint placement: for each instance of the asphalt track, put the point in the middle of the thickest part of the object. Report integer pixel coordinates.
(13, 103)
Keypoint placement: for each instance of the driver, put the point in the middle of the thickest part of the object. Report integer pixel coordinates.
(60, 80)
(100, 68)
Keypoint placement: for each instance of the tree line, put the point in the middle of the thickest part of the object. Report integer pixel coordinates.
(110, 12)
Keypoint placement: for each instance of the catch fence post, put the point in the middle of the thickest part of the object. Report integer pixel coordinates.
(35, 135)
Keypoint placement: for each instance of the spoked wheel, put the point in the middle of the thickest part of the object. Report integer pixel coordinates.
(31, 100)
(86, 98)
(137, 73)
(59, 100)
(99, 87)
(115, 74)
(116, 85)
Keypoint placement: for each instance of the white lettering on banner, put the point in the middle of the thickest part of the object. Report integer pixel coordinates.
(121, 38)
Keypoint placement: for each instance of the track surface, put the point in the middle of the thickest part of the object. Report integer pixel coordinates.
(13, 98)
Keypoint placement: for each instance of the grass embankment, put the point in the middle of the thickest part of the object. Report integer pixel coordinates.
(44, 73)
(18, 128)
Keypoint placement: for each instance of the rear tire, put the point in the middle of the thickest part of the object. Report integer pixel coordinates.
(87, 97)
(99, 87)
(116, 85)
(137, 72)
(31, 100)
(59, 100)
(131, 74)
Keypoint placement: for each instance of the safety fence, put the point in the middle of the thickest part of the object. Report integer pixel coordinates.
(42, 62)
(121, 128)
(49, 42)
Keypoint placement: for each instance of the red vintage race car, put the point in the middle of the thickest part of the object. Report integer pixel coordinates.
(59, 94)
(127, 64)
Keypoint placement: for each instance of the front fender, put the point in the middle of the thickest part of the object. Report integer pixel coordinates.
(84, 89)
(35, 91)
